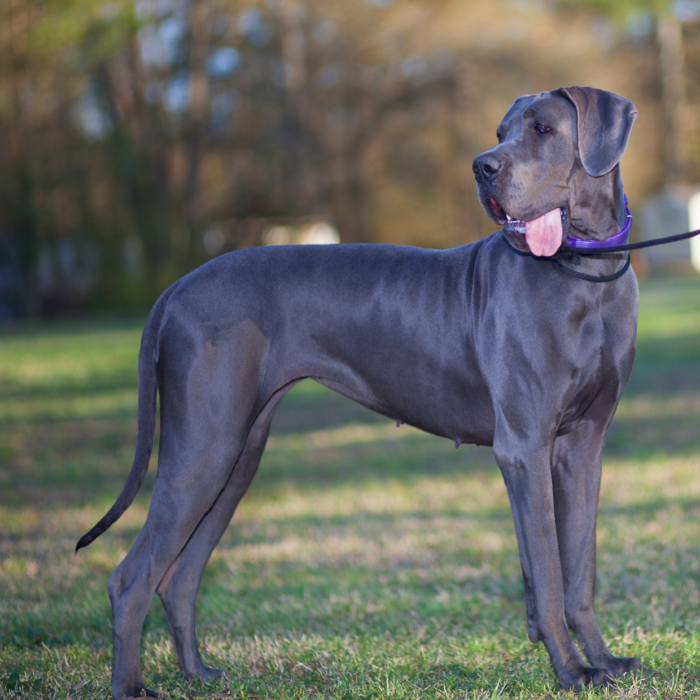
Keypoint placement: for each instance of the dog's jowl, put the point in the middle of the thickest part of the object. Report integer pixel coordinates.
(488, 343)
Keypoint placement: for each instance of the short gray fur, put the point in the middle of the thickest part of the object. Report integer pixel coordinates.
(480, 344)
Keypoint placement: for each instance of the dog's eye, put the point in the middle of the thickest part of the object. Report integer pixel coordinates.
(499, 136)
(542, 128)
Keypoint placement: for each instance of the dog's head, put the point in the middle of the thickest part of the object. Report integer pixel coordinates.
(555, 171)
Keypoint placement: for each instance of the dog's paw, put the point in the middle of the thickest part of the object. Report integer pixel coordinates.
(620, 665)
(586, 676)
(206, 674)
(211, 674)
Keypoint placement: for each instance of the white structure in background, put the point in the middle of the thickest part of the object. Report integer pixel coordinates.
(312, 233)
(243, 233)
(694, 220)
(674, 210)
(320, 233)
(278, 235)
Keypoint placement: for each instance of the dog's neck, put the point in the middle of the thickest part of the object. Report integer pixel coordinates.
(597, 209)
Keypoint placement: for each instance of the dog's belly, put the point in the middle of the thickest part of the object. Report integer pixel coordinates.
(450, 403)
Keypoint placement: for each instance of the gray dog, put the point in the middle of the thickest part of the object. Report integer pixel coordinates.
(489, 343)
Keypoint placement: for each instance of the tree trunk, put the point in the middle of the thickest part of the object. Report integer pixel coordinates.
(297, 171)
(670, 38)
(199, 19)
(20, 212)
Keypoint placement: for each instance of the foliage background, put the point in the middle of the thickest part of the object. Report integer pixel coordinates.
(139, 138)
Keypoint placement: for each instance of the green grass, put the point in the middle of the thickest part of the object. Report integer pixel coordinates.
(366, 561)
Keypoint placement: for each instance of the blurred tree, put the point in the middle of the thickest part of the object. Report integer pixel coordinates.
(668, 17)
(671, 62)
(18, 226)
(134, 130)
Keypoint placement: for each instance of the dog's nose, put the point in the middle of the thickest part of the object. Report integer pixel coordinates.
(486, 167)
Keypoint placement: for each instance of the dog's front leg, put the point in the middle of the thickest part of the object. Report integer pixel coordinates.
(527, 474)
(576, 472)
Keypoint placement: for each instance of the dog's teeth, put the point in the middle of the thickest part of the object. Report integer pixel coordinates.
(508, 217)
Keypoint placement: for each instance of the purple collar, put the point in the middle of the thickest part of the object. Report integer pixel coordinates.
(616, 239)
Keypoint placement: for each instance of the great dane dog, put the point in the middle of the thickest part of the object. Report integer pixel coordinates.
(488, 343)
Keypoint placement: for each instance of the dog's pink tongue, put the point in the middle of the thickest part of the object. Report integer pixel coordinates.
(543, 235)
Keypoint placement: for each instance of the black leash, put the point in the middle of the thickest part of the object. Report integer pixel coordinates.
(592, 278)
(574, 253)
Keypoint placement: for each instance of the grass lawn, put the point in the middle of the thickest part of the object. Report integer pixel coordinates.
(366, 561)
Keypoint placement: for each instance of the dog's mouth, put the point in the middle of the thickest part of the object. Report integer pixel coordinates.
(544, 234)
(499, 214)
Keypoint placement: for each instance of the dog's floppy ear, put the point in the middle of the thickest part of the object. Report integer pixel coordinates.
(604, 124)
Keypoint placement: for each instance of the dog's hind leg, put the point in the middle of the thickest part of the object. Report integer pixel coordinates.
(210, 395)
(177, 505)
(178, 589)
(576, 472)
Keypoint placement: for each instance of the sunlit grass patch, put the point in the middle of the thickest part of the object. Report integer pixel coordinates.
(367, 561)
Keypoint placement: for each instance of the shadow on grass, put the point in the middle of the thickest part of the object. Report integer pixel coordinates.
(89, 388)
(294, 600)
(406, 461)
(62, 465)
(371, 522)
(401, 599)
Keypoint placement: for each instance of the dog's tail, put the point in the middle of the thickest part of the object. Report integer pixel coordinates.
(146, 422)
